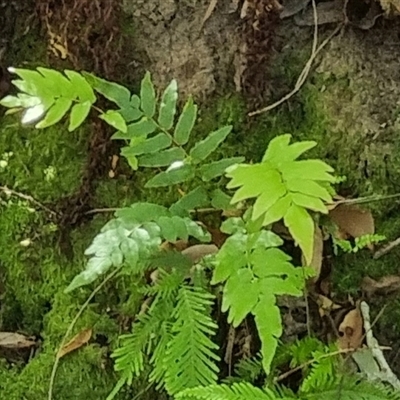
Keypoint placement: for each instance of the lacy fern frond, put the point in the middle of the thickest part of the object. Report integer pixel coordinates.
(191, 360)
(130, 356)
(249, 369)
(236, 391)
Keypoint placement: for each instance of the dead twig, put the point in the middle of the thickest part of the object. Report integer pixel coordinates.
(304, 73)
(30, 199)
(381, 252)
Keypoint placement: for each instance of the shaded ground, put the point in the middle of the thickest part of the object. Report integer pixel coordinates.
(349, 105)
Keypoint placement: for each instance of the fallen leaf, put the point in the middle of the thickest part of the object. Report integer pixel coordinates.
(351, 330)
(197, 252)
(13, 340)
(352, 220)
(385, 285)
(318, 248)
(76, 342)
(326, 305)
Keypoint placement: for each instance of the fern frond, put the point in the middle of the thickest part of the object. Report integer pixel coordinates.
(249, 369)
(191, 360)
(129, 357)
(237, 391)
(351, 389)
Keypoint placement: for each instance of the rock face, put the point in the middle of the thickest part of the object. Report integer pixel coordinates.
(172, 42)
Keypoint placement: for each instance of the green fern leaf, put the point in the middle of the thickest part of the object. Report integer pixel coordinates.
(185, 123)
(204, 148)
(163, 158)
(168, 106)
(138, 129)
(191, 360)
(172, 176)
(217, 168)
(55, 113)
(197, 198)
(112, 91)
(147, 96)
(152, 145)
(114, 119)
(237, 391)
(79, 113)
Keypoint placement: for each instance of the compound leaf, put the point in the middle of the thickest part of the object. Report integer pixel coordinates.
(163, 158)
(55, 113)
(152, 145)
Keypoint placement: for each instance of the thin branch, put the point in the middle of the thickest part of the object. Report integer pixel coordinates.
(30, 199)
(71, 327)
(304, 73)
(381, 252)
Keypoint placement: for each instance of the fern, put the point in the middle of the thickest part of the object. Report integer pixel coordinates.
(190, 359)
(349, 388)
(237, 391)
(255, 271)
(285, 188)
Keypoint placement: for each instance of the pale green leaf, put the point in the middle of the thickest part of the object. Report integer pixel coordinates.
(28, 101)
(251, 178)
(231, 257)
(115, 119)
(278, 210)
(269, 326)
(138, 129)
(81, 86)
(12, 101)
(271, 262)
(217, 168)
(147, 96)
(58, 83)
(112, 91)
(163, 158)
(315, 170)
(133, 162)
(55, 113)
(196, 231)
(309, 187)
(33, 83)
(172, 177)
(186, 122)
(233, 225)
(79, 112)
(275, 190)
(301, 226)
(204, 148)
(264, 238)
(241, 293)
(312, 203)
(168, 106)
(197, 198)
(152, 145)
(277, 147)
(168, 230)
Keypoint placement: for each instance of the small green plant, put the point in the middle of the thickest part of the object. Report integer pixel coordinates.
(359, 243)
(175, 333)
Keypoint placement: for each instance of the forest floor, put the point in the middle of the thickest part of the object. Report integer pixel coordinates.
(53, 183)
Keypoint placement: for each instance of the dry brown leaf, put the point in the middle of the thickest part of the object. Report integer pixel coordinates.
(318, 248)
(352, 220)
(197, 252)
(326, 305)
(351, 330)
(13, 340)
(385, 285)
(76, 342)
